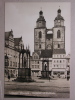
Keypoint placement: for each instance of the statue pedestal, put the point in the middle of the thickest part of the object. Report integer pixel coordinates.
(45, 74)
(24, 74)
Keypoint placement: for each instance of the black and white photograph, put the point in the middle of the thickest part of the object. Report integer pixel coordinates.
(37, 49)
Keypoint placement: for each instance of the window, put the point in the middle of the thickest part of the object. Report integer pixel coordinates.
(10, 63)
(40, 34)
(13, 64)
(58, 34)
(32, 66)
(58, 45)
(16, 64)
(40, 46)
(35, 57)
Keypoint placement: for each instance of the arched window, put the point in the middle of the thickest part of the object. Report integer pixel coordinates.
(58, 45)
(40, 34)
(58, 34)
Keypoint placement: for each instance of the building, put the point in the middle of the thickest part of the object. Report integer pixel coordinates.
(12, 49)
(68, 64)
(49, 48)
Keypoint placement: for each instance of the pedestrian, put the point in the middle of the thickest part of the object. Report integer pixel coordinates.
(49, 77)
(8, 77)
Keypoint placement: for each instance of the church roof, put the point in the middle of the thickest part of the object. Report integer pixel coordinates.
(46, 54)
(59, 17)
(49, 36)
(41, 18)
(17, 40)
(7, 34)
(59, 51)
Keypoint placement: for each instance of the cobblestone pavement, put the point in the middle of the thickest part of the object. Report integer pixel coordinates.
(56, 88)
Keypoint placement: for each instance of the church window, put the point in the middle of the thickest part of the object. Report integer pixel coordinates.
(40, 34)
(58, 34)
(58, 45)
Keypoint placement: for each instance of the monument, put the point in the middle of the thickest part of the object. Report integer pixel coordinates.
(24, 70)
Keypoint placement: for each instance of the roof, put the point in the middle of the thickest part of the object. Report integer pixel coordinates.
(7, 34)
(41, 18)
(49, 36)
(36, 52)
(17, 40)
(46, 54)
(59, 51)
(59, 17)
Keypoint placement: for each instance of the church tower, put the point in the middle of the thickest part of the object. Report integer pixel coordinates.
(40, 33)
(59, 33)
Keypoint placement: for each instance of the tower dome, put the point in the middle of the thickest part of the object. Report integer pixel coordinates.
(41, 20)
(59, 10)
(59, 17)
(41, 17)
(41, 13)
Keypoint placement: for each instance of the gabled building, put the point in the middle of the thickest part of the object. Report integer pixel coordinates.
(12, 49)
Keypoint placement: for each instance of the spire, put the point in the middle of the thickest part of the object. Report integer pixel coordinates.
(26, 47)
(23, 46)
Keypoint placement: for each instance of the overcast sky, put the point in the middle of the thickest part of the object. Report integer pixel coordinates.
(21, 17)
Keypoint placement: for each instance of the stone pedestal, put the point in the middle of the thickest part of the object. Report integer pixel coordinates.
(24, 74)
(45, 74)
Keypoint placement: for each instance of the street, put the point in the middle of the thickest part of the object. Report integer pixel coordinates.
(56, 88)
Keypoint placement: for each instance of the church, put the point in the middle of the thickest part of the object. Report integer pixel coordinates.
(49, 56)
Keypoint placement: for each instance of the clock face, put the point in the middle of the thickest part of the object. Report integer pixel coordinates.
(58, 20)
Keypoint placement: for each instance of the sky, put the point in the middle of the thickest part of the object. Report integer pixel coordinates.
(21, 17)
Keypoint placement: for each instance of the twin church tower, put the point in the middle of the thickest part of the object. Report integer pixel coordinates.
(54, 41)
(49, 47)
